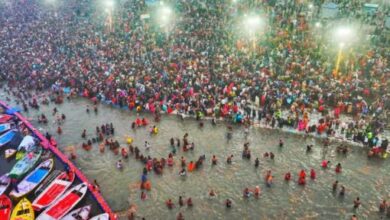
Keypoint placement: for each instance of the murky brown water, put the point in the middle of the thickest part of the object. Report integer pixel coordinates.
(365, 178)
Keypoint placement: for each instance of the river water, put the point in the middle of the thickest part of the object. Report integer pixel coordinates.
(366, 178)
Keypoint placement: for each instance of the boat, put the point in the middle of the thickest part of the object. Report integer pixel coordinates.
(65, 203)
(5, 127)
(78, 214)
(9, 153)
(53, 175)
(104, 216)
(33, 179)
(23, 211)
(25, 164)
(20, 154)
(5, 181)
(6, 137)
(27, 143)
(53, 191)
(4, 118)
(5, 207)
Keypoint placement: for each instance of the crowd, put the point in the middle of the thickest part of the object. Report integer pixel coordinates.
(204, 67)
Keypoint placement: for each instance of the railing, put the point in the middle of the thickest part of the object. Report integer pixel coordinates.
(46, 144)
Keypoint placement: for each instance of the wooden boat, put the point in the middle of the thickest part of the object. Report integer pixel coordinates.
(9, 153)
(53, 191)
(25, 164)
(5, 127)
(23, 211)
(104, 216)
(4, 183)
(6, 137)
(65, 203)
(5, 207)
(33, 179)
(4, 118)
(78, 214)
(53, 175)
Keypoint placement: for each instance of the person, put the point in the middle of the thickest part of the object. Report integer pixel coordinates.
(268, 178)
(59, 130)
(119, 164)
(281, 144)
(334, 185)
(181, 202)
(143, 195)
(312, 174)
(228, 203)
(342, 190)
(356, 203)
(183, 172)
(257, 192)
(287, 176)
(214, 160)
(180, 216)
(354, 217)
(338, 168)
(147, 145)
(325, 164)
(212, 193)
(301, 181)
(229, 159)
(309, 148)
(302, 174)
(382, 206)
(169, 204)
(84, 134)
(189, 202)
(271, 155)
(257, 162)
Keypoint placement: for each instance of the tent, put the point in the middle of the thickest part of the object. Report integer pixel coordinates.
(370, 8)
(329, 10)
(152, 2)
(387, 22)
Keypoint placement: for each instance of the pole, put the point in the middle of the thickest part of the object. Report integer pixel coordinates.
(338, 61)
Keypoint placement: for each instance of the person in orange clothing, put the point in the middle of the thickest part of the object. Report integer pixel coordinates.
(191, 166)
(312, 174)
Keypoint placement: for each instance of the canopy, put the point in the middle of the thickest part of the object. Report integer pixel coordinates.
(27, 143)
(329, 10)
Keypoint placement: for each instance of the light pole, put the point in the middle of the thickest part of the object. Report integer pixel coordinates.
(109, 5)
(343, 36)
(252, 24)
(165, 18)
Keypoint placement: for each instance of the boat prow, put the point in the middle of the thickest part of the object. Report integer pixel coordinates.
(104, 216)
(54, 190)
(32, 180)
(4, 183)
(78, 214)
(23, 211)
(65, 203)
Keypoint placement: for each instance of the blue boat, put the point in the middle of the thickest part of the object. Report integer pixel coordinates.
(4, 127)
(7, 137)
